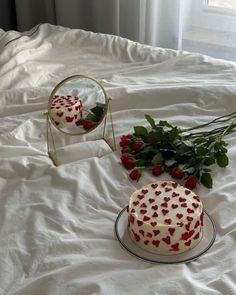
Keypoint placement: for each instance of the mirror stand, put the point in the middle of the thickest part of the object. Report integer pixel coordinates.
(52, 152)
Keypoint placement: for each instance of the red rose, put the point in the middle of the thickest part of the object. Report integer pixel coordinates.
(125, 149)
(135, 174)
(138, 145)
(158, 170)
(125, 140)
(191, 182)
(125, 156)
(128, 163)
(87, 124)
(177, 173)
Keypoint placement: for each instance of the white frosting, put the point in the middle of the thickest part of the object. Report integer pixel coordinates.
(165, 218)
(66, 110)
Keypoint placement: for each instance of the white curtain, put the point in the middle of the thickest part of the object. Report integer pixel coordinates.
(189, 25)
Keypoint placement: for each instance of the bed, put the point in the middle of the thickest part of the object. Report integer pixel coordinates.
(57, 223)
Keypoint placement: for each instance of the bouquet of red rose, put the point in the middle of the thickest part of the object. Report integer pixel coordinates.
(185, 154)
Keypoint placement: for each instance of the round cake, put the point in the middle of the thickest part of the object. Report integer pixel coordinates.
(165, 218)
(66, 110)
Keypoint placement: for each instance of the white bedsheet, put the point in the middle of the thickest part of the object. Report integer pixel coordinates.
(56, 223)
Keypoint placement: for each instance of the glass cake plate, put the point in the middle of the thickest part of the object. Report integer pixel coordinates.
(122, 234)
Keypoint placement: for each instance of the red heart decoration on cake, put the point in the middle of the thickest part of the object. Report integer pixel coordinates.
(146, 242)
(165, 204)
(143, 211)
(137, 237)
(195, 205)
(164, 211)
(141, 232)
(196, 236)
(196, 198)
(155, 214)
(184, 205)
(171, 231)
(69, 119)
(133, 211)
(168, 220)
(174, 206)
(155, 207)
(131, 218)
(57, 123)
(201, 217)
(75, 116)
(156, 232)
(140, 197)
(135, 203)
(153, 224)
(139, 222)
(60, 114)
(190, 211)
(174, 194)
(180, 224)
(154, 185)
(149, 235)
(143, 205)
(151, 200)
(187, 226)
(189, 218)
(166, 240)
(187, 192)
(188, 243)
(187, 235)
(197, 224)
(167, 199)
(156, 243)
(144, 191)
(157, 193)
(164, 184)
(146, 218)
(168, 189)
(179, 215)
(175, 247)
(182, 199)
(174, 184)
(69, 109)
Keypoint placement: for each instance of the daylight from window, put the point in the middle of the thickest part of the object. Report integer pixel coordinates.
(223, 3)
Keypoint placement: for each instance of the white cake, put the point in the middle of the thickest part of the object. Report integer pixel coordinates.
(165, 218)
(66, 110)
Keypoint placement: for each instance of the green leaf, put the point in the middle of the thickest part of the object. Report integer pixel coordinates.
(170, 162)
(157, 159)
(222, 160)
(140, 130)
(206, 180)
(209, 161)
(150, 120)
(141, 163)
(154, 137)
(98, 111)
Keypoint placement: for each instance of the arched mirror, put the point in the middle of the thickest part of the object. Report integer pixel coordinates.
(77, 105)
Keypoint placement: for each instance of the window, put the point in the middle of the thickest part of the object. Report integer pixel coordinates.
(227, 4)
(210, 28)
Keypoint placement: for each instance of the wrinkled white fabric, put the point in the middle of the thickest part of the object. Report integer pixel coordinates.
(56, 223)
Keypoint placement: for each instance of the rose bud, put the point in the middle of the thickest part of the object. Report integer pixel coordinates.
(158, 170)
(129, 163)
(191, 182)
(138, 145)
(177, 173)
(135, 174)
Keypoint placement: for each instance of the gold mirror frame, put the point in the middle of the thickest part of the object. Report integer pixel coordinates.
(53, 155)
